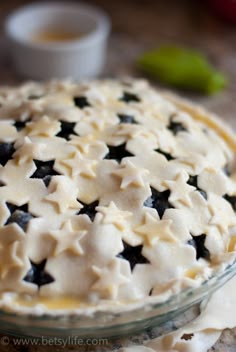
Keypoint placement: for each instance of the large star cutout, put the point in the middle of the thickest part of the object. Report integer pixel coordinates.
(198, 242)
(133, 254)
(180, 190)
(130, 175)
(158, 201)
(89, 209)
(44, 127)
(80, 166)
(10, 239)
(44, 171)
(192, 181)
(117, 152)
(68, 240)
(154, 230)
(67, 129)
(113, 215)
(37, 274)
(129, 97)
(6, 152)
(110, 278)
(19, 215)
(63, 194)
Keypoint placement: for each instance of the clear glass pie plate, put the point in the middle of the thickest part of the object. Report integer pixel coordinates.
(162, 317)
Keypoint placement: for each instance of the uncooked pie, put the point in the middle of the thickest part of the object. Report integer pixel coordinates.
(110, 192)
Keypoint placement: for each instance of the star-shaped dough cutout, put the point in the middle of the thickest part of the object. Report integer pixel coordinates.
(110, 278)
(219, 218)
(154, 230)
(44, 127)
(180, 190)
(113, 215)
(82, 143)
(67, 239)
(29, 151)
(63, 194)
(130, 175)
(80, 166)
(10, 239)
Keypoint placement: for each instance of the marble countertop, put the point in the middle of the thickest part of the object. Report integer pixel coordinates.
(138, 26)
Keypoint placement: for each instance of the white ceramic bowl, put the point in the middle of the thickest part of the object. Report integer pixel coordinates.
(77, 59)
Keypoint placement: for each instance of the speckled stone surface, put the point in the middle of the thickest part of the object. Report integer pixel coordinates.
(138, 26)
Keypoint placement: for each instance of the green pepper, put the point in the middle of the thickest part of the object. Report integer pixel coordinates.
(182, 68)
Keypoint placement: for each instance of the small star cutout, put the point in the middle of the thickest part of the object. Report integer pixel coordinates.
(89, 209)
(109, 279)
(113, 215)
(20, 125)
(127, 119)
(154, 230)
(130, 175)
(192, 181)
(19, 215)
(80, 166)
(158, 201)
(63, 194)
(176, 127)
(82, 143)
(81, 102)
(166, 155)
(130, 97)
(67, 129)
(67, 239)
(44, 171)
(6, 152)
(37, 274)
(117, 152)
(44, 127)
(180, 190)
(198, 242)
(28, 150)
(133, 255)
(231, 200)
(10, 238)
(219, 218)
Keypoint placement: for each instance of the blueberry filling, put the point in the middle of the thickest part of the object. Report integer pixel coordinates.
(118, 152)
(226, 170)
(6, 152)
(67, 128)
(192, 181)
(81, 102)
(2, 184)
(19, 125)
(166, 155)
(34, 97)
(126, 119)
(198, 242)
(19, 215)
(133, 255)
(158, 201)
(37, 275)
(231, 200)
(89, 209)
(44, 171)
(176, 127)
(129, 97)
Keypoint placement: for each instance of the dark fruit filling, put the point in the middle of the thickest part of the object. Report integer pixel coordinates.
(44, 171)
(176, 127)
(117, 153)
(158, 201)
(231, 200)
(127, 119)
(129, 97)
(192, 181)
(198, 242)
(19, 125)
(81, 102)
(133, 255)
(37, 275)
(89, 209)
(226, 170)
(166, 155)
(6, 152)
(67, 128)
(19, 215)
